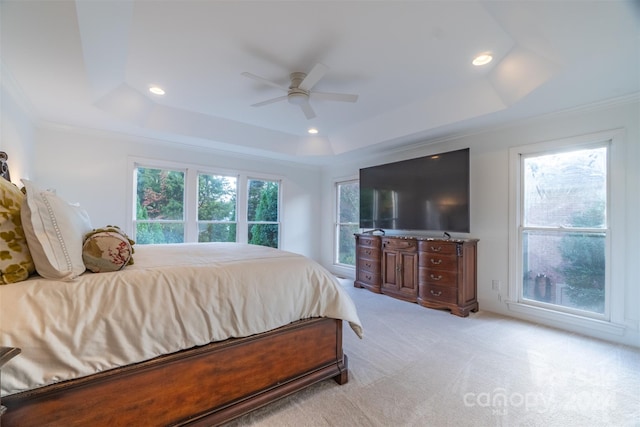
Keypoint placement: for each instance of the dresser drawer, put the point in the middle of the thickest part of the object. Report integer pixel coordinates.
(437, 247)
(438, 261)
(368, 277)
(438, 277)
(439, 294)
(373, 242)
(368, 253)
(372, 266)
(400, 244)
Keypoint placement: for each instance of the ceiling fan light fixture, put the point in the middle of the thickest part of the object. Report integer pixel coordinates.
(298, 98)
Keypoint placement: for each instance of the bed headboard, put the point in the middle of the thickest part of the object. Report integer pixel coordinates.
(4, 167)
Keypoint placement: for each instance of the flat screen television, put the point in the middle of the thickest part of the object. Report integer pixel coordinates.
(430, 193)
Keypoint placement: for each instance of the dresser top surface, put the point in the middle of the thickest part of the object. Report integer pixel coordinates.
(419, 238)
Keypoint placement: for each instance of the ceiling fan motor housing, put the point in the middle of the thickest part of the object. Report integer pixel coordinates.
(296, 95)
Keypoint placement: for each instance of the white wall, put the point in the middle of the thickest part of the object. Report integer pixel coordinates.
(91, 168)
(490, 203)
(16, 130)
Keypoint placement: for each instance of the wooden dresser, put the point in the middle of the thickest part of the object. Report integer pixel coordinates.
(435, 273)
(368, 262)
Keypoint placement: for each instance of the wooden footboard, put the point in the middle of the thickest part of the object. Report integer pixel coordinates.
(204, 386)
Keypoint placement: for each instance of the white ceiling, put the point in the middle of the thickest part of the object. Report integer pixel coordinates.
(89, 64)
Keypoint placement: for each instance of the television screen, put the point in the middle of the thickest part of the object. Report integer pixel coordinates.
(429, 193)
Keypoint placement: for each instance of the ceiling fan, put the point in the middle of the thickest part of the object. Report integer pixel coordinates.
(299, 90)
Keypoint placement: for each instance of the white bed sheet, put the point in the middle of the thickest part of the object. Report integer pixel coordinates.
(174, 297)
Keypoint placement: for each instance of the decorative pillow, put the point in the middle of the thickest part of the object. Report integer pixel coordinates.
(16, 263)
(107, 249)
(55, 231)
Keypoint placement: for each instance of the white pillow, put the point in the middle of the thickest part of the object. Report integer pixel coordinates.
(55, 230)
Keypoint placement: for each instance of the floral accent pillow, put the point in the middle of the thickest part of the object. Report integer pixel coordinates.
(107, 249)
(16, 263)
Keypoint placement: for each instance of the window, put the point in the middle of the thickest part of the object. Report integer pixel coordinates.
(160, 216)
(175, 204)
(347, 214)
(217, 206)
(563, 232)
(262, 212)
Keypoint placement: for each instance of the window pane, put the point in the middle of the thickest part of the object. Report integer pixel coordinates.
(217, 232)
(159, 232)
(349, 202)
(565, 269)
(160, 194)
(216, 198)
(347, 244)
(263, 201)
(566, 189)
(348, 217)
(264, 235)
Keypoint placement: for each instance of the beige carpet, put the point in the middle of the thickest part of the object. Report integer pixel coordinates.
(423, 367)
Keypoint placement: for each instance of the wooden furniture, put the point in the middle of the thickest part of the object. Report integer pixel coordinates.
(204, 386)
(447, 275)
(6, 354)
(435, 273)
(400, 268)
(368, 262)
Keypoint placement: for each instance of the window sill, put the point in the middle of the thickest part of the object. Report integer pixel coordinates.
(561, 319)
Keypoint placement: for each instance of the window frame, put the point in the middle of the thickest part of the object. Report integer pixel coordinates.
(248, 224)
(192, 172)
(612, 319)
(336, 220)
(606, 230)
(199, 221)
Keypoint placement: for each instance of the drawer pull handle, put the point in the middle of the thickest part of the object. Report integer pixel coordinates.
(368, 277)
(368, 252)
(436, 261)
(434, 277)
(367, 264)
(435, 294)
(434, 249)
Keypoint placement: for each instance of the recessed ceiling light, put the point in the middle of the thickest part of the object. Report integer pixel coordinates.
(313, 131)
(156, 90)
(482, 59)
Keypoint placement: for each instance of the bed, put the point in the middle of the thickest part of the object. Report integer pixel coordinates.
(189, 334)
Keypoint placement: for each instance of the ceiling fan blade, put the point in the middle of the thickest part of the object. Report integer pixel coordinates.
(307, 110)
(342, 97)
(270, 101)
(265, 81)
(314, 76)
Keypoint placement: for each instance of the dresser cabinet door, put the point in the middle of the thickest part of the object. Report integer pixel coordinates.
(399, 268)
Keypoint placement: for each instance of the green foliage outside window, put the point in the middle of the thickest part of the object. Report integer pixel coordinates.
(160, 197)
(263, 212)
(216, 208)
(583, 266)
(348, 217)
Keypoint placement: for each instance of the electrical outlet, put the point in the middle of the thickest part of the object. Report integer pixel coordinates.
(495, 285)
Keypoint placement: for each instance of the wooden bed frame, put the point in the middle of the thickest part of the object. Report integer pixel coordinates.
(202, 386)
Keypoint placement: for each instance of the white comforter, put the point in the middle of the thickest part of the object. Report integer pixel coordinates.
(174, 297)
